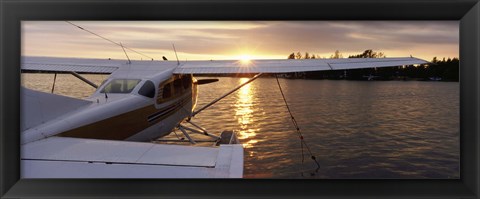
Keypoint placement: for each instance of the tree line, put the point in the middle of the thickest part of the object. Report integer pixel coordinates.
(445, 69)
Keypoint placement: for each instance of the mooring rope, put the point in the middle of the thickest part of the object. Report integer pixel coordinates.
(300, 135)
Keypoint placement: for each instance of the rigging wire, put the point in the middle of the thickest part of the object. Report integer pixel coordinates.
(300, 135)
(118, 44)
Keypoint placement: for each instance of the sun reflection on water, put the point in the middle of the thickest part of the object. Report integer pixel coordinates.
(243, 113)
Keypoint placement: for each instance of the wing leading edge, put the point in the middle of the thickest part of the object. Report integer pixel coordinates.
(290, 65)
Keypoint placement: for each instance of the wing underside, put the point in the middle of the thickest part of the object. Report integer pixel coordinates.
(98, 66)
(286, 66)
(54, 64)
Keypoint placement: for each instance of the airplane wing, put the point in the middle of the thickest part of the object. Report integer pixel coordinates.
(289, 65)
(55, 64)
(64, 157)
(105, 66)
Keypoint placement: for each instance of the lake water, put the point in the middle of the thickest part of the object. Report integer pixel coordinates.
(356, 129)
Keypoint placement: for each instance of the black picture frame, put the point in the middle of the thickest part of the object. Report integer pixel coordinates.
(13, 12)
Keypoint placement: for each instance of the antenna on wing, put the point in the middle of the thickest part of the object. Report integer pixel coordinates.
(178, 62)
(129, 62)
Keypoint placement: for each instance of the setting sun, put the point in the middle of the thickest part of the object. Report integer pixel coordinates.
(245, 59)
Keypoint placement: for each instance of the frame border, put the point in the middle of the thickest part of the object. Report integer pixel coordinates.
(14, 11)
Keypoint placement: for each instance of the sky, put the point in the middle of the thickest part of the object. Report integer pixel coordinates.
(217, 40)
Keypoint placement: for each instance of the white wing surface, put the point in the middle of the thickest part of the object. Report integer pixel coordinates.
(289, 65)
(105, 66)
(55, 64)
(63, 157)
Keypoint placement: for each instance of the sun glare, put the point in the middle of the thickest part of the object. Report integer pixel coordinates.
(245, 59)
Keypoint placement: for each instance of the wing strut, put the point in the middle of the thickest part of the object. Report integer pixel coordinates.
(54, 80)
(82, 78)
(223, 96)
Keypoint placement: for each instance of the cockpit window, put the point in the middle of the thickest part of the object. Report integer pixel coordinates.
(148, 89)
(120, 86)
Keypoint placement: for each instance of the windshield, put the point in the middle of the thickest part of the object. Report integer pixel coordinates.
(120, 86)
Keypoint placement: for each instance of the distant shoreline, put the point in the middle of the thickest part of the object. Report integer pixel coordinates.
(307, 78)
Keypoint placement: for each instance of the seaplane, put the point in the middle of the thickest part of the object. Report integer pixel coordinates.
(110, 133)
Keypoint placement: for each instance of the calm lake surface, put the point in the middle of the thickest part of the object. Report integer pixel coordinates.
(356, 129)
